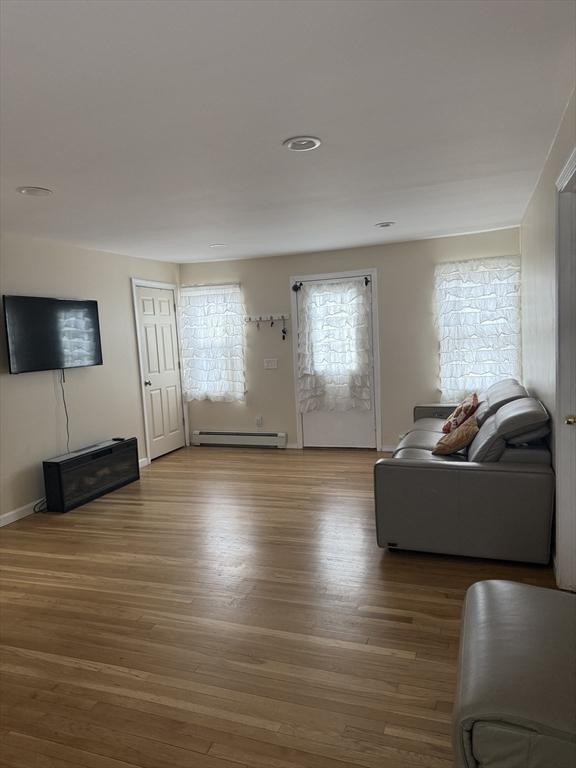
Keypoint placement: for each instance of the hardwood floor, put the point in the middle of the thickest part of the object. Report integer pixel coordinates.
(230, 609)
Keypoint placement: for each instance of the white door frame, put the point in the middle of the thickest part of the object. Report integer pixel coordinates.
(565, 557)
(373, 275)
(140, 283)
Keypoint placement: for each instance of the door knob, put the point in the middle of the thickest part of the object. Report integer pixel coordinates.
(148, 383)
(571, 420)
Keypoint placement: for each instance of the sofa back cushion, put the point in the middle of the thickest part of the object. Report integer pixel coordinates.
(518, 417)
(496, 396)
(487, 445)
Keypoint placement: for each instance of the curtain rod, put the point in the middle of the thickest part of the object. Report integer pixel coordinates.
(326, 279)
(299, 283)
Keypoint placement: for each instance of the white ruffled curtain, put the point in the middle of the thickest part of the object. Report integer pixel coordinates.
(334, 346)
(478, 323)
(212, 325)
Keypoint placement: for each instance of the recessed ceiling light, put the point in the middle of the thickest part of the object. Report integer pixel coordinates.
(384, 224)
(34, 191)
(302, 143)
(218, 245)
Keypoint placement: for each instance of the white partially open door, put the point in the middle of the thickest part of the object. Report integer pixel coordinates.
(565, 426)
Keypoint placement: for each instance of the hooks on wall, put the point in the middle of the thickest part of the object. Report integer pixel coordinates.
(269, 320)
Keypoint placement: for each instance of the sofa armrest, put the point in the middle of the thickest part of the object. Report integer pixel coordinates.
(433, 410)
(496, 510)
(517, 677)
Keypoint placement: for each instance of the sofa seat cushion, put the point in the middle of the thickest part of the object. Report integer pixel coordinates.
(419, 454)
(515, 704)
(428, 425)
(499, 744)
(526, 454)
(420, 439)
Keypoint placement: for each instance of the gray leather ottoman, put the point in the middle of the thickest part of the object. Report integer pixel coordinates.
(516, 699)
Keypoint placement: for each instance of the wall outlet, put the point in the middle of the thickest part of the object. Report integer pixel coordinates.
(271, 362)
(259, 421)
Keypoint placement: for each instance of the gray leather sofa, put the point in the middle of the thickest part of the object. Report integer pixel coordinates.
(516, 700)
(493, 500)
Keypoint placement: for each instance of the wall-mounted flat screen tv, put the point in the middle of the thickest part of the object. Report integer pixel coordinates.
(47, 334)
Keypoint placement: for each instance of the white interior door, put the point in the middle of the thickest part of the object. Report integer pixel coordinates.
(329, 426)
(565, 426)
(161, 370)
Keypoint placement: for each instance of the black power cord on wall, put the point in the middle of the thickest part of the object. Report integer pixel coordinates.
(40, 505)
(62, 382)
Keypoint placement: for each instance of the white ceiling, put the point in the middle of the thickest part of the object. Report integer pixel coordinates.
(159, 124)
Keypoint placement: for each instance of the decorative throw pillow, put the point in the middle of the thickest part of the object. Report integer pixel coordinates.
(457, 439)
(461, 413)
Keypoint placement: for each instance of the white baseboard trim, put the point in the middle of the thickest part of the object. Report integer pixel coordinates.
(17, 514)
(144, 462)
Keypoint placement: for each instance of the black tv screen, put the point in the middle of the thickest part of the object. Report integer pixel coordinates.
(46, 334)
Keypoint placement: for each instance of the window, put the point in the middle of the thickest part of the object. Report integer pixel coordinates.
(212, 329)
(478, 322)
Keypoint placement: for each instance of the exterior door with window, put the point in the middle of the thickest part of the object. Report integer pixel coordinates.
(335, 362)
(160, 369)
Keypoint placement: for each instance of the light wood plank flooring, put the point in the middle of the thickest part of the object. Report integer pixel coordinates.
(231, 609)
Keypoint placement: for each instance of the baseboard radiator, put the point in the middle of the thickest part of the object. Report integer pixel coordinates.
(245, 439)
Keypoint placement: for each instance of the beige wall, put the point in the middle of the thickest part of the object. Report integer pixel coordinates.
(538, 242)
(104, 401)
(408, 346)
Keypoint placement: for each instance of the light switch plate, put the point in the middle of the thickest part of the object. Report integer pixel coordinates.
(271, 362)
